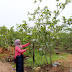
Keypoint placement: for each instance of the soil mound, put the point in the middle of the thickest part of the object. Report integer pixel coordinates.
(8, 50)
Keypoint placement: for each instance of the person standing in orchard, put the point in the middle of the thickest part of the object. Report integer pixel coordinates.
(18, 58)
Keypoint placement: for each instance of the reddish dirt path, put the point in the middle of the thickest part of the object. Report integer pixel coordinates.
(6, 67)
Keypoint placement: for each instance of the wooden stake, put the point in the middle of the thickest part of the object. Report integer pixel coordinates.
(33, 51)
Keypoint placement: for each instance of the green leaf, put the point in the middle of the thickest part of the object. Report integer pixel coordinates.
(57, 0)
(28, 13)
(33, 17)
(38, 7)
(40, 0)
(54, 18)
(29, 18)
(54, 11)
(35, 1)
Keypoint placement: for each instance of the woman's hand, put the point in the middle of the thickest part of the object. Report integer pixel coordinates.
(30, 41)
(26, 49)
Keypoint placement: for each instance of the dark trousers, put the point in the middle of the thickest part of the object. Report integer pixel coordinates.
(19, 64)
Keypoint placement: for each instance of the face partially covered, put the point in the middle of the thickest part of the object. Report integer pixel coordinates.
(17, 42)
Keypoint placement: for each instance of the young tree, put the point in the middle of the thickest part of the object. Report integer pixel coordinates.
(45, 25)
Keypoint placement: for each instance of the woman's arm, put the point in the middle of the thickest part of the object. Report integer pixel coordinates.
(25, 45)
(19, 50)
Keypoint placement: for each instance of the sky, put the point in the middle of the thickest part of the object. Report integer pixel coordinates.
(13, 12)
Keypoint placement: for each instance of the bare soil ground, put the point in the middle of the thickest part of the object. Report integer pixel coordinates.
(6, 67)
(6, 51)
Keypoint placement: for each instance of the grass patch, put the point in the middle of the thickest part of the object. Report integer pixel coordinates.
(40, 59)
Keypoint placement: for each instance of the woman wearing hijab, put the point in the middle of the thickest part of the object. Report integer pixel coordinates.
(19, 55)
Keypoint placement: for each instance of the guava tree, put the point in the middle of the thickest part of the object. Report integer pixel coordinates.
(45, 26)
